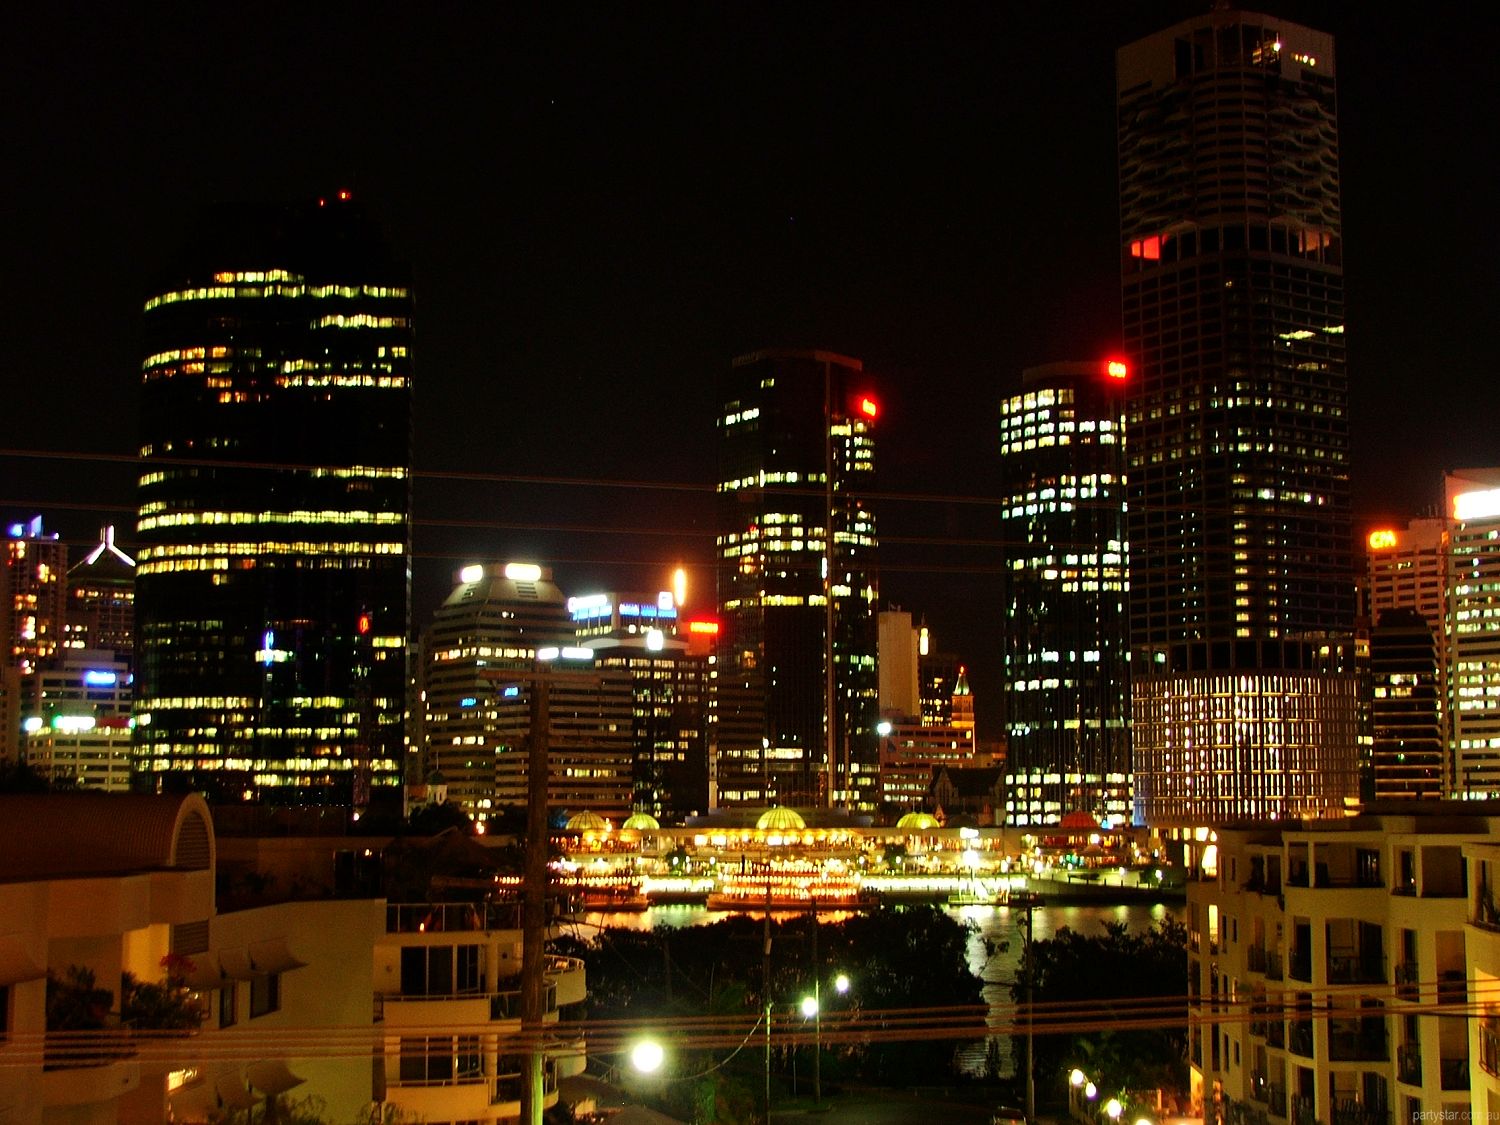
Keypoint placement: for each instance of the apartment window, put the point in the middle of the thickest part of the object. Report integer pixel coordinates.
(265, 994)
(229, 996)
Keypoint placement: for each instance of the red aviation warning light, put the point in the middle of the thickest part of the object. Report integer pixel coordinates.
(1117, 369)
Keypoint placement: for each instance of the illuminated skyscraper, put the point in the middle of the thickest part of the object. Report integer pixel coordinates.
(796, 454)
(1473, 629)
(1242, 591)
(1067, 689)
(273, 526)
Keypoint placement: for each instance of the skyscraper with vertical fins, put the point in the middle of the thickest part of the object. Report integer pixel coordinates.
(1231, 253)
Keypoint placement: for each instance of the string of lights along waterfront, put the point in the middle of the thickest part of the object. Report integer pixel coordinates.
(1241, 584)
(274, 513)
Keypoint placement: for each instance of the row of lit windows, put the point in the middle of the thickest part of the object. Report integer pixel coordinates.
(359, 320)
(296, 516)
(251, 550)
(264, 284)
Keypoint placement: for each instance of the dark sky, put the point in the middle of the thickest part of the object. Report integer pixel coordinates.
(601, 205)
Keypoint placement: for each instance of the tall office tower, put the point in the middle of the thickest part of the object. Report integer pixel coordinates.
(1473, 630)
(33, 595)
(33, 598)
(1067, 687)
(101, 599)
(1241, 584)
(797, 451)
(1409, 749)
(493, 623)
(272, 576)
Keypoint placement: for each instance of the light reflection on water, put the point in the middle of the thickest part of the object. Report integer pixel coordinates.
(996, 928)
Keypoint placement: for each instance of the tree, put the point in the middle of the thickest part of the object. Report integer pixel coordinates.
(1090, 975)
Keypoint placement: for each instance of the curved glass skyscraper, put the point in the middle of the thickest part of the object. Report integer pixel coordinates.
(272, 580)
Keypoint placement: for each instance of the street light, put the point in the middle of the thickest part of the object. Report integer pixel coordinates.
(1113, 1109)
(647, 1056)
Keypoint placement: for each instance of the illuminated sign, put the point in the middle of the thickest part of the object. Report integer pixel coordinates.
(364, 623)
(95, 677)
(72, 724)
(471, 573)
(629, 609)
(664, 600)
(468, 701)
(868, 408)
(708, 628)
(589, 602)
(523, 572)
(573, 652)
(511, 691)
(1481, 505)
(1382, 539)
(1116, 369)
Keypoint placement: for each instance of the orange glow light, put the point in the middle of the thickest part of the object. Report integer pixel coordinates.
(709, 628)
(1382, 540)
(868, 408)
(344, 195)
(1116, 369)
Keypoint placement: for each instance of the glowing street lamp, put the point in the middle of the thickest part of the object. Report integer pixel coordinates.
(647, 1056)
(1113, 1109)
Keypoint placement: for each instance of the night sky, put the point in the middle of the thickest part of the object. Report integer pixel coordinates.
(602, 205)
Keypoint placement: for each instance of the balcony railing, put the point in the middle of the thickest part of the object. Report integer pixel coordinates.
(1409, 1063)
(1361, 1041)
(1347, 1111)
(1301, 966)
(1255, 958)
(1273, 966)
(1455, 1073)
(1300, 1039)
(450, 917)
(507, 1087)
(1452, 987)
(1276, 1101)
(1406, 980)
(1356, 968)
(1303, 1112)
(1276, 1033)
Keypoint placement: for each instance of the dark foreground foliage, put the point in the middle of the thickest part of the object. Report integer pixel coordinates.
(907, 958)
(1091, 976)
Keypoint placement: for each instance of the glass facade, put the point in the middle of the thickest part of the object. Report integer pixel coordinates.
(797, 451)
(272, 575)
(1067, 688)
(1233, 300)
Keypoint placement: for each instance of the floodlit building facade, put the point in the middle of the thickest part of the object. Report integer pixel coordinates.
(1242, 590)
(1330, 967)
(670, 680)
(1065, 583)
(1473, 629)
(796, 454)
(273, 523)
(101, 599)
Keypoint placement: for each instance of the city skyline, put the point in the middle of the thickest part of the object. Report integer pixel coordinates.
(642, 200)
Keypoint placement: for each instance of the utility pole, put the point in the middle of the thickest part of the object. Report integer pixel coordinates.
(534, 903)
(765, 977)
(1030, 1016)
(817, 1012)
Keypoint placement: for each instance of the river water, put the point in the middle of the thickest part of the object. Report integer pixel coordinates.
(995, 945)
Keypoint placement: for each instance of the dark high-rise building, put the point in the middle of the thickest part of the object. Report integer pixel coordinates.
(1242, 590)
(796, 454)
(101, 599)
(272, 575)
(1067, 688)
(1409, 749)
